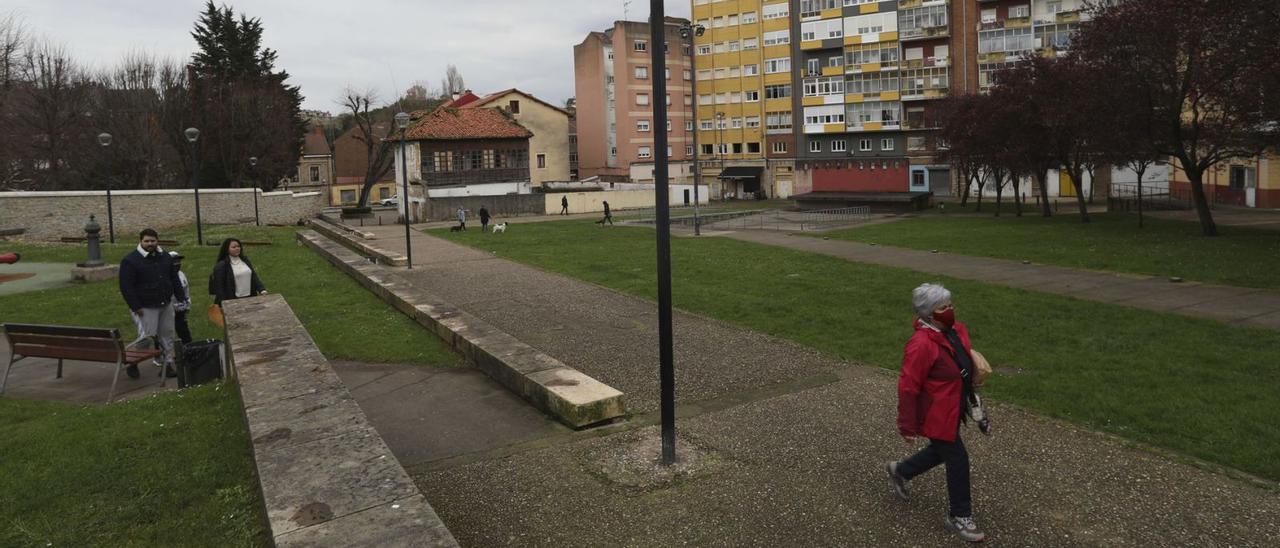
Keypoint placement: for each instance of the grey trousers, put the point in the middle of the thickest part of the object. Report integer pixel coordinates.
(156, 322)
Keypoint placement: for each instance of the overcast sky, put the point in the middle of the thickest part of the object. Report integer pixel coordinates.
(327, 45)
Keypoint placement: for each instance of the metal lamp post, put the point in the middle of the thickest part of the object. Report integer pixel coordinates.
(666, 355)
(253, 161)
(104, 139)
(402, 123)
(192, 135)
(688, 31)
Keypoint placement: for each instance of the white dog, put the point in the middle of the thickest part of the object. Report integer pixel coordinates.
(500, 227)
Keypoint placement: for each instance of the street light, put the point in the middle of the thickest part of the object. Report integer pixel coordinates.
(402, 123)
(686, 31)
(666, 356)
(104, 139)
(192, 135)
(253, 161)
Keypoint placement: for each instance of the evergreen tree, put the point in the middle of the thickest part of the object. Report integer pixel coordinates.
(242, 105)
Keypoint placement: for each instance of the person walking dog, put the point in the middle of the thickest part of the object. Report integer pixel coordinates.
(933, 388)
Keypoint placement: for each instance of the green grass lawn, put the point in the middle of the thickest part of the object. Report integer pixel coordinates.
(346, 321)
(1112, 241)
(174, 469)
(1195, 386)
(169, 470)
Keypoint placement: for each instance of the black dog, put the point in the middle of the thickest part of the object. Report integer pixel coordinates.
(455, 228)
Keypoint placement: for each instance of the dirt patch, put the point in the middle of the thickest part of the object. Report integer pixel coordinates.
(15, 277)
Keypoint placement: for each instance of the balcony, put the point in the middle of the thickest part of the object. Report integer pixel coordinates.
(927, 62)
(924, 94)
(924, 33)
(1011, 23)
(1067, 17)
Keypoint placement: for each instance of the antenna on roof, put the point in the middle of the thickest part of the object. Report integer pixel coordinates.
(626, 4)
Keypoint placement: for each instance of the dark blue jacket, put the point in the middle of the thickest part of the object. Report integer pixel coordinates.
(148, 282)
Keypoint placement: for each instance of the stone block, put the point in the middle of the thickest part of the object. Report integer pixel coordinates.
(408, 523)
(89, 274)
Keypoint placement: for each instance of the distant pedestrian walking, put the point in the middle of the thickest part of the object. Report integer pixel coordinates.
(462, 219)
(933, 388)
(608, 216)
(564, 205)
(484, 219)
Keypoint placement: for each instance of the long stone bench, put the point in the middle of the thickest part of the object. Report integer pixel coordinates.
(342, 234)
(561, 391)
(327, 477)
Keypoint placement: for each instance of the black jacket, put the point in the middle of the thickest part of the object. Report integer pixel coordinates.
(484, 216)
(222, 283)
(148, 282)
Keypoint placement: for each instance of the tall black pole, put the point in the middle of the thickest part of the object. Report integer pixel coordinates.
(657, 39)
(257, 221)
(111, 223)
(404, 200)
(195, 184)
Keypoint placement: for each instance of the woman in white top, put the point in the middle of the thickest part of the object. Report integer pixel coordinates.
(233, 275)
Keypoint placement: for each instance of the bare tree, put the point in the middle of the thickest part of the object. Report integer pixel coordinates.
(13, 40)
(129, 106)
(452, 82)
(370, 130)
(53, 113)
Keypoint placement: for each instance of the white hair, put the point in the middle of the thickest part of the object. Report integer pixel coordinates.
(927, 297)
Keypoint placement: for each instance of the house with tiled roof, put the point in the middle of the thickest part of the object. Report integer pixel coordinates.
(315, 165)
(549, 146)
(451, 147)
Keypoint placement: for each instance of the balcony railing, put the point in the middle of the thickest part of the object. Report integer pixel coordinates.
(927, 62)
(923, 33)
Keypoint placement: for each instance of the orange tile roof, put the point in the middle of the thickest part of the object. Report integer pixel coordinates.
(449, 124)
(494, 96)
(315, 143)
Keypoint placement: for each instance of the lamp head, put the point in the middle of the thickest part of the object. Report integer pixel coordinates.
(104, 139)
(192, 134)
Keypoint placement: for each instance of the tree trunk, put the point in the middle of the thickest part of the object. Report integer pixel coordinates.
(999, 191)
(964, 188)
(1142, 168)
(1207, 226)
(1076, 175)
(1042, 177)
(1017, 197)
(981, 184)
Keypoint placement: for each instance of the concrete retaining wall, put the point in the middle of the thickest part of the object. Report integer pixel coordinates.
(561, 391)
(585, 202)
(51, 215)
(327, 477)
(512, 205)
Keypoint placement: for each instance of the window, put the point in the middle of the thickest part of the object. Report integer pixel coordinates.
(513, 106)
(776, 65)
(885, 113)
(667, 73)
(812, 8)
(884, 53)
(722, 123)
(1053, 7)
(864, 145)
(642, 125)
(813, 67)
(775, 11)
(722, 73)
(836, 61)
(750, 43)
(668, 152)
(688, 74)
(1005, 40)
(777, 37)
(542, 161)
(640, 45)
(1019, 12)
(704, 99)
(753, 121)
(737, 148)
(839, 145)
(733, 45)
(872, 83)
(736, 123)
(988, 16)
(719, 47)
(441, 161)
(818, 87)
(688, 125)
(315, 173)
(886, 144)
(826, 114)
(733, 20)
(923, 21)
(777, 91)
(1057, 37)
(748, 17)
(735, 97)
(751, 96)
(822, 30)
(707, 148)
(750, 70)
(704, 49)
(705, 125)
(642, 73)
(722, 98)
(688, 100)
(916, 143)
(871, 23)
(917, 81)
(347, 196)
(735, 72)
(642, 98)
(644, 152)
(668, 124)
(779, 146)
(717, 22)
(777, 122)
(723, 148)
(815, 146)
(383, 193)
(688, 150)
(704, 74)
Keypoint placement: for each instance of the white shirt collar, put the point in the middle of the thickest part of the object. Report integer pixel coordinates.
(927, 324)
(143, 252)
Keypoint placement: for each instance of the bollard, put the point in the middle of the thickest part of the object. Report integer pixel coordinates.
(91, 230)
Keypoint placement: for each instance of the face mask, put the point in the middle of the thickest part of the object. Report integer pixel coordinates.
(946, 318)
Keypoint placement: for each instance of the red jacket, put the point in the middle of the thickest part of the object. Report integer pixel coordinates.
(930, 385)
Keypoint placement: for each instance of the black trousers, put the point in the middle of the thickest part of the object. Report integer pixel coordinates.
(180, 325)
(956, 458)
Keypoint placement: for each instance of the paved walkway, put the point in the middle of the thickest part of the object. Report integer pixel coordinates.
(81, 382)
(1239, 305)
(781, 445)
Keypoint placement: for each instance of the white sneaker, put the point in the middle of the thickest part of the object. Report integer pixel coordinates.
(966, 529)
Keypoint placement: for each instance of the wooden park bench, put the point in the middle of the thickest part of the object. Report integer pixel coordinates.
(61, 342)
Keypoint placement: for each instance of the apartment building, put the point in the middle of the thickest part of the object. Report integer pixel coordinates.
(844, 89)
(613, 95)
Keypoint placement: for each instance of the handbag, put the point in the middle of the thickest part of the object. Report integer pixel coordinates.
(981, 368)
(215, 316)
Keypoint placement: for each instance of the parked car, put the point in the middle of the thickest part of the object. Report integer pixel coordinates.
(394, 200)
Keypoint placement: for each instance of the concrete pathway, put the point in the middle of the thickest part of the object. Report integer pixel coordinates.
(780, 445)
(1239, 305)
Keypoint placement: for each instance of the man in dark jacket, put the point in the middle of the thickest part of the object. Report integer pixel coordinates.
(484, 219)
(150, 286)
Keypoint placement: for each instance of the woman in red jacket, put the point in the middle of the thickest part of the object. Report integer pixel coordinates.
(932, 388)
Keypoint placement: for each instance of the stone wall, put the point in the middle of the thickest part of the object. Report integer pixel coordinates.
(51, 215)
